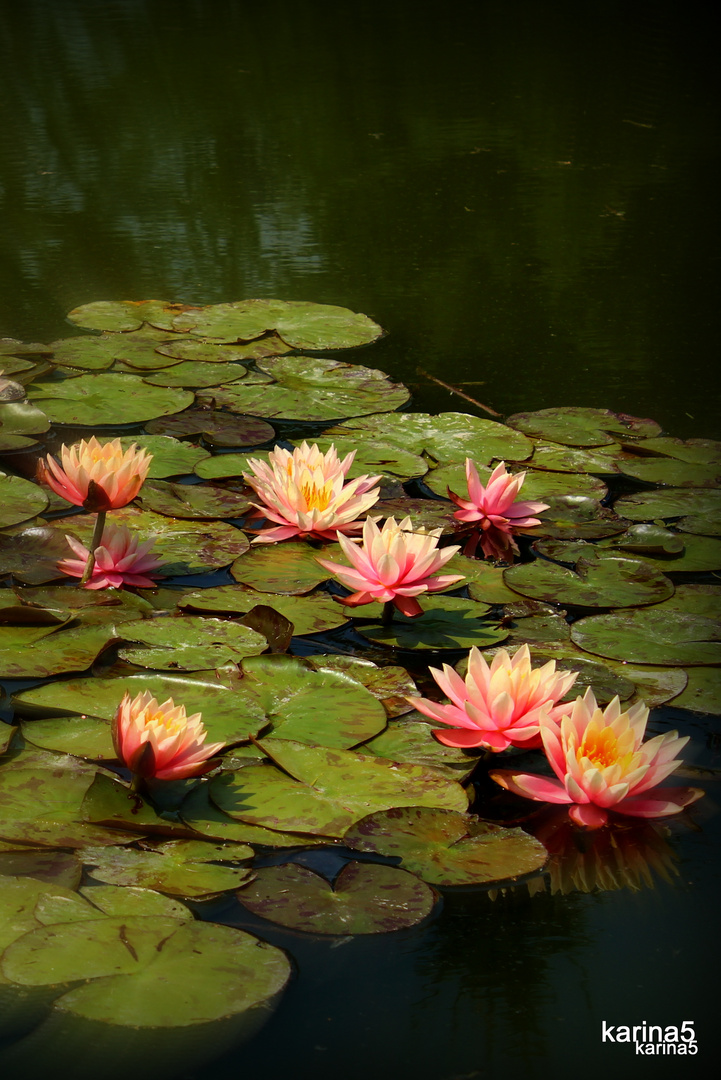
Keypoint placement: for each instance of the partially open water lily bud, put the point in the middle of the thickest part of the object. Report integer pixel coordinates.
(161, 741)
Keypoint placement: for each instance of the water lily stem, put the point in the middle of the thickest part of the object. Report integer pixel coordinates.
(387, 617)
(94, 543)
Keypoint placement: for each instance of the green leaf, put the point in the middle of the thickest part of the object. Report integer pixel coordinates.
(365, 898)
(300, 324)
(84, 736)
(168, 871)
(19, 500)
(21, 418)
(651, 636)
(205, 818)
(170, 456)
(575, 426)
(291, 568)
(189, 643)
(672, 473)
(309, 614)
(192, 500)
(217, 428)
(27, 653)
(669, 504)
(55, 867)
(210, 353)
(446, 848)
(599, 580)
(537, 485)
(390, 684)
(702, 693)
(92, 400)
(195, 373)
(411, 740)
(447, 622)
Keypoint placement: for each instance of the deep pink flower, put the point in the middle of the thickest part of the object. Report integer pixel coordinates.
(393, 564)
(96, 476)
(161, 740)
(602, 764)
(120, 560)
(494, 509)
(306, 494)
(498, 706)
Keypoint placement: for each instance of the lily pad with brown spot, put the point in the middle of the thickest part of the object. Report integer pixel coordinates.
(651, 636)
(188, 643)
(217, 428)
(209, 352)
(311, 614)
(598, 580)
(196, 373)
(291, 568)
(192, 500)
(578, 426)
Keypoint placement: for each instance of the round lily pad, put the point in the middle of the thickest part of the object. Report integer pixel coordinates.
(600, 581)
(197, 373)
(446, 848)
(310, 388)
(170, 456)
(702, 693)
(22, 418)
(447, 622)
(84, 736)
(105, 398)
(576, 426)
(19, 500)
(192, 500)
(365, 898)
(669, 503)
(411, 740)
(107, 315)
(390, 684)
(85, 353)
(290, 568)
(225, 466)
(39, 652)
(537, 486)
(672, 473)
(209, 352)
(188, 643)
(651, 636)
(308, 614)
(173, 871)
(558, 458)
(217, 428)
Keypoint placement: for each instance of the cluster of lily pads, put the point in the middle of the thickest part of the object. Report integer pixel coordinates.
(308, 696)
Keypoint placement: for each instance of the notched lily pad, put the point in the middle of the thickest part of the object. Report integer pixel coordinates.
(290, 568)
(170, 456)
(577, 426)
(309, 614)
(596, 581)
(168, 871)
(188, 643)
(365, 898)
(105, 398)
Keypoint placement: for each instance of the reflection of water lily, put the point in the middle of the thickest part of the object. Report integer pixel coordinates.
(161, 741)
(498, 706)
(306, 494)
(119, 560)
(393, 565)
(494, 510)
(97, 476)
(602, 765)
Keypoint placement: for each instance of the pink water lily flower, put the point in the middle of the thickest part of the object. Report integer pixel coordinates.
(119, 560)
(498, 706)
(161, 741)
(602, 764)
(306, 494)
(97, 476)
(393, 564)
(495, 510)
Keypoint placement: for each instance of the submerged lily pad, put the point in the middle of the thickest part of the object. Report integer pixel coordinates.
(597, 581)
(365, 898)
(651, 636)
(447, 622)
(576, 426)
(91, 400)
(446, 848)
(310, 388)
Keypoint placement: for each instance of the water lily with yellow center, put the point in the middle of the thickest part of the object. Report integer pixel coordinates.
(602, 765)
(306, 494)
(97, 476)
(500, 705)
(161, 741)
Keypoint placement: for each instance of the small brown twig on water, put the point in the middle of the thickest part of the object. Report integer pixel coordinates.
(455, 390)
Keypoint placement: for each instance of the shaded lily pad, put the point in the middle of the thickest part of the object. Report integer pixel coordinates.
(55, 867)
(446, 848)
(210, 353)
(484, 580)
(698, 451)
(290, 568)
(651, 636)
(669, 503)
(448, 437)
(309, 614)
(324, 791)
(672, 473)
(597, 581)
(301, 325)
(654, 685)
(192, 500)
(311, 388)
(695, 600)
(217, 428)
(19, 500)
(702, 693)
(699, 553)
(189, 644)
(365, 898)
(105, 398)
(426, 513)
(557, 458)
(577, 426)
(649, 539)
(196, 373)
(39, 652)
(205, 818)
(170, 456)
(578, 516)
(447, 622)
(169, 871)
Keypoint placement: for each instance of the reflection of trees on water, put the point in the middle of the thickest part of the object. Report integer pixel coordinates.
(492, 177)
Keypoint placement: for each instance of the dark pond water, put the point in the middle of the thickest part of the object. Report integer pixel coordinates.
(525, 196)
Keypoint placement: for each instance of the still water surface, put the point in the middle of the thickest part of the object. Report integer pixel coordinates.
(525, 196)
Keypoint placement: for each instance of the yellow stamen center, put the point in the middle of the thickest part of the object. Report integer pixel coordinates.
(600, 747)
(316, 498)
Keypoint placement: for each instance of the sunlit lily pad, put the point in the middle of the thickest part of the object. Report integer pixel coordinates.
(649, 539)
(84, 736)
(165, 871)
(702, 693)
(209, 352)
(196, 373)
(309, 614)
(425, 513)
(217, 428)
(129, 900)
(558, 458)
(189, 644)
(447, 848)
(206, 819)
(699, 553)
(375, 457)
(390, 684)
(85, 353)
(26, 652)
(447, 622)
(55, 867)
(576, 426)
(651, 636)
(600, 581)
(107, 315)
(411, 740)
(484, 580)
(698, 451)
(325, 791)
(170, 456)
(448, 437)
(225, 466)
(22, 418)
(365, 898)
(105, 399)
(578, 516)
(192, 500)
(19, 500)
(310, 388)
(290, 568)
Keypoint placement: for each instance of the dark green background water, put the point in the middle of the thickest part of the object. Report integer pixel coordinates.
(524, 194)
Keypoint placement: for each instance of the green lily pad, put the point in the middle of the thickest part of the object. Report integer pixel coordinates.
(196, 373)
(447, 622)
(578, 516)
(484, 580)
(19, 500)
(698, 451)
(365, 898)
(649, 539)
(448, 437)
(86, 353)
(84, 736)
(601, 461)
(22, 418)
(695, 600)
(702, 693)
(225, 467)
(672, 473)
(389, 684)
(310, 388)
(537, 486)
(169, 871)
(309, 614)
(376, 457)
(39, 652)
(654, 685)
(170, 456)
(651, 636)
(105, 398)
(55, 867)
(426, 513)
(324, 791)
(301, 325)
(11, 347)
(204, 817)
(544, 628)
(446, 848)
(112, 315)
(669, 503)
(598, 581)
(217, 428)
(290, 568)
(576, 426)
(701, 524)
(189, 643)
(210, 353)
(130, 900)
(192, 500)
(699, 553)
(411, 740)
